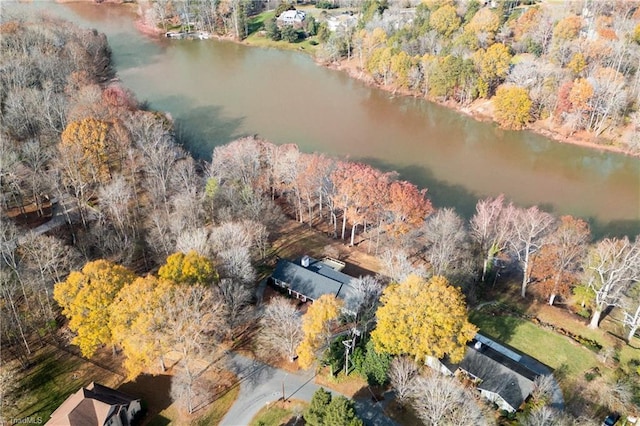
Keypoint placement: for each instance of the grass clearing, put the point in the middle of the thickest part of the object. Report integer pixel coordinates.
(55, 374)
(547, 346)
(279, 413)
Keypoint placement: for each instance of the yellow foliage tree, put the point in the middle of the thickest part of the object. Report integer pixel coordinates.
(86, 141)
(85, 297)
(580, 94)
(191, 268)
(577, 64)
(492, 65)
(423, 319)
(485, 21)
(445, 20)
(316, 326)
(512, 107)
(137, 323)
(567, 28)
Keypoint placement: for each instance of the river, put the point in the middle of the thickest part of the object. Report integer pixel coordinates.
(218, 91)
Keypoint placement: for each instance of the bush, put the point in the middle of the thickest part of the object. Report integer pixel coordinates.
(326, 4)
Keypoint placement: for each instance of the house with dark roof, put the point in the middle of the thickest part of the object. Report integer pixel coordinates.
(502, 374)
(307, 279)
(96, 405)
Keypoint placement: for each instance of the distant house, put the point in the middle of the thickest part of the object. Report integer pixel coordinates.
(503, 375)
(96, 405)
(292, 17)
(307, 279)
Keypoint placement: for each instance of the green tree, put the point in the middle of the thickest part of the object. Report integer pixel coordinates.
(423, 319)
(311, 26)
(327, 411)
(340, 411)
(191, 268)
(512, 107)
(85, 297)
(289, 33)
(314, 414)
(272, 29)
(375, 365)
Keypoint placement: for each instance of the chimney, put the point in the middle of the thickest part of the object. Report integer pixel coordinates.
(305, 261)
(477, 346)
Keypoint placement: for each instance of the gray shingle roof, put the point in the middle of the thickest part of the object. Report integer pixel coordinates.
(315, 280)
(503, 370)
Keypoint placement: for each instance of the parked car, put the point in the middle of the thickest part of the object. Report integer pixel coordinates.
(611, 419)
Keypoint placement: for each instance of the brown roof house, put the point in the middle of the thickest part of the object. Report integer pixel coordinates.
(96, 405)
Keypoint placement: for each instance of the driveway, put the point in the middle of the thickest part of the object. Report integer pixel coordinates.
(261, 384)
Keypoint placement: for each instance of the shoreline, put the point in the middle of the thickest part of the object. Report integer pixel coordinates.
(479, 110)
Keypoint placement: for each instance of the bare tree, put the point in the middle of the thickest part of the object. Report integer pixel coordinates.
(491, 228)
(567, 244)
(543, 388)
(364, 300)
(397, 266)
(235, 263)
(237, 297)
(194, 239)
(546, 416)
(402, 372)
(631, 307)
(445, 235)
(281, 330)
(530, 227)
(611, 267)
(440, 400)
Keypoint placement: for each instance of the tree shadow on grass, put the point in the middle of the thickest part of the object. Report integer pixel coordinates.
(153, 390)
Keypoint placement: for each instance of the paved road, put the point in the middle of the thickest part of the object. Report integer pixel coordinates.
(261, 384)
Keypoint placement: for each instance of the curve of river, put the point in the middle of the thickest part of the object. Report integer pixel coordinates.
(218, 91)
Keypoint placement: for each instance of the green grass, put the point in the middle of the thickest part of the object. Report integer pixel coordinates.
(54, 376)
(256, 23)
(271, 416)
(276, 414)
(264, 42)
(547, 346)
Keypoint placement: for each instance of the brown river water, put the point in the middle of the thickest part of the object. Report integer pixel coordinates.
(218, 91)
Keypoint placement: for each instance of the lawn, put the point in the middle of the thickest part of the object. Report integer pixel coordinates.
(545, 345)
(258, 39)
(278, 413)
(54, 376)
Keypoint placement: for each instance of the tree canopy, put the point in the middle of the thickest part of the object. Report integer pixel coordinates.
(316, 326)
(423, 318)
(85, 297)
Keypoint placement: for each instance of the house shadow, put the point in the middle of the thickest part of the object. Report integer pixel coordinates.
(155, 392)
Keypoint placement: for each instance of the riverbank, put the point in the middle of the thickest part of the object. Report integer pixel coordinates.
(482, 110)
